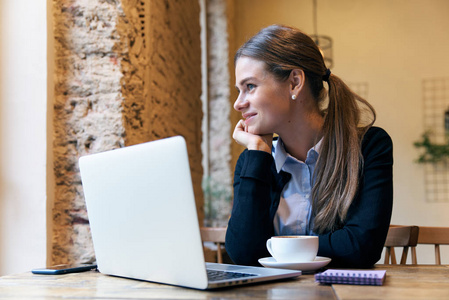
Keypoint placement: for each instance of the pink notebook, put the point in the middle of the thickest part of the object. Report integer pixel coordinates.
(366, 277)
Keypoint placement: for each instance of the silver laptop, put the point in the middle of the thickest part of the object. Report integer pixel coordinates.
(143, 218)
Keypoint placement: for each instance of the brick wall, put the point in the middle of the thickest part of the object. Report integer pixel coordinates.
(126, 72)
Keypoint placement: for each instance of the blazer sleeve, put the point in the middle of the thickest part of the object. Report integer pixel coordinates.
(360, 241)
(251, 223)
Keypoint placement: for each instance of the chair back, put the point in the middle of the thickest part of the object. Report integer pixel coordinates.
(217, 236)
(435, 236)
(401, 236)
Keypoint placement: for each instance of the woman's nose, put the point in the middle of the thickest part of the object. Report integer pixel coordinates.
(240, 103)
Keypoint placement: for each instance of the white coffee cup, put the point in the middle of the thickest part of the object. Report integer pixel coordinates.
(293, 248)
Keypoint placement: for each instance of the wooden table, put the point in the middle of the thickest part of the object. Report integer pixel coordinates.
(402, 282)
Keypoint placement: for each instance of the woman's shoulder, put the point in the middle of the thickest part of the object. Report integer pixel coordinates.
(376, 134)
(377, 141)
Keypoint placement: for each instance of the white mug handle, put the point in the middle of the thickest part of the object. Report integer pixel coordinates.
(269, 247)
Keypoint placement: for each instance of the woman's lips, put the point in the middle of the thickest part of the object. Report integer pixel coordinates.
(248, 117)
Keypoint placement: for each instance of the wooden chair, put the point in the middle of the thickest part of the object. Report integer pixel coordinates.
(217, 236)
(434, 236)
(401, 236)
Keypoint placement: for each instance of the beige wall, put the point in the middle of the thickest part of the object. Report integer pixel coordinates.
(392, 45)
(23, 149)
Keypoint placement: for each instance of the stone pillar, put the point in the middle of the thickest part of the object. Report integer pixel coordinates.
(218, 185)
(126, 72)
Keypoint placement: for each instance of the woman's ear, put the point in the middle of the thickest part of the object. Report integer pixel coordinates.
(297, 81)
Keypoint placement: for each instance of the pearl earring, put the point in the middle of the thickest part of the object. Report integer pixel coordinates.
(293, 97)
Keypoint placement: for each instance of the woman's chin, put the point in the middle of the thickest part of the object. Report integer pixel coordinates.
(253, 131)
(256, 131)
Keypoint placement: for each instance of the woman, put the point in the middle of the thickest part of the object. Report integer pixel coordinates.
(328, 174)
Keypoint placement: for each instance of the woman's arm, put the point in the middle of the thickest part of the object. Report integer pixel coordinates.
(251, 222)
(360, 241)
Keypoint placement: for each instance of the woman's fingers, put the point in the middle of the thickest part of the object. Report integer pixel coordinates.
(249, 140)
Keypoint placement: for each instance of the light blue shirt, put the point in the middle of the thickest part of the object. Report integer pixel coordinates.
(294, 214)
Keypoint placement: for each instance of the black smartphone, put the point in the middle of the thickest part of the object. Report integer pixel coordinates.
(64, 269)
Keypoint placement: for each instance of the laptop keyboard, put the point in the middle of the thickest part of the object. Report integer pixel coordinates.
(215, 275)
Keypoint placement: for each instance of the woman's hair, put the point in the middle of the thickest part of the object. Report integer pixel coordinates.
(283, 49)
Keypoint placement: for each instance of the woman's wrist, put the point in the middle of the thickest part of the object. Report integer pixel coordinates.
(260, 145)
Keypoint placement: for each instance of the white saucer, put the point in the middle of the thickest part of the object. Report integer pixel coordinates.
(308, 266)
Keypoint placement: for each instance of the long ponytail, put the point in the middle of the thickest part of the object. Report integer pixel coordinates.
(340, 160)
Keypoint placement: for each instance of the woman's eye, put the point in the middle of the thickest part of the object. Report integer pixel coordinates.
(250, 86)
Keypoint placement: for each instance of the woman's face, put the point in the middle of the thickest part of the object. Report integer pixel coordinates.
(263, 101)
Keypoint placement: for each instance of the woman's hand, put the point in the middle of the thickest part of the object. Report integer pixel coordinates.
(252, 141)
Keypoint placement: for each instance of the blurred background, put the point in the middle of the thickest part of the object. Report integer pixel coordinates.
(79, 77)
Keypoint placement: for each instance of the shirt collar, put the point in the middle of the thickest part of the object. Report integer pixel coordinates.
(280, 155)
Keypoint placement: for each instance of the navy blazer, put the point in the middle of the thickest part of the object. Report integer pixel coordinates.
(357, 243)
